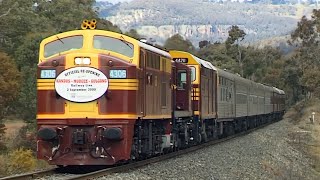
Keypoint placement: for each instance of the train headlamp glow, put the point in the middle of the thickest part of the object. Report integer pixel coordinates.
(118, 73)
(80, 60)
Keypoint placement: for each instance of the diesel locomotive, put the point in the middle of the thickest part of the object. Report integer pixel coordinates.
(104, 98)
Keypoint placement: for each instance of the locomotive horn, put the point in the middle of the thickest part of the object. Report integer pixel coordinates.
(92, 26)
(89, 24)
(84, 24)
(94, 21)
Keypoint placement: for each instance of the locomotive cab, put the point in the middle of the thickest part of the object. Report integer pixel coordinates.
(87, 88)
(95, 90)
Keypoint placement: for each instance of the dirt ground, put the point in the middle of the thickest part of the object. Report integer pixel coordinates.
(305, 133)
(13, 127)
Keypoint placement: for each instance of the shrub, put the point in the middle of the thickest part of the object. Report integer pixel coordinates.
(21, 160)
(2, 132)
(3, 165)
(24, 139)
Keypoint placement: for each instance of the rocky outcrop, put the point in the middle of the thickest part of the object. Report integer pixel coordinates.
(205, 20)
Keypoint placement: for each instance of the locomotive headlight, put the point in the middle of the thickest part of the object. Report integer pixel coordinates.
(80, 60)
(86, 61)
(47, 134)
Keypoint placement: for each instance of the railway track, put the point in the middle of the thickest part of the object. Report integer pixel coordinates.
(32, 175)
(126, 167)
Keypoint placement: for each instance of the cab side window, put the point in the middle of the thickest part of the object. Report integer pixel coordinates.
(182, 79)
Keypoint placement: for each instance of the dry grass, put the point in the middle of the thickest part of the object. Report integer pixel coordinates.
(314, 147)
(13, 127)
(307, 134)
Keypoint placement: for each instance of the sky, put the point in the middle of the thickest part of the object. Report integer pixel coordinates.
(114, 1)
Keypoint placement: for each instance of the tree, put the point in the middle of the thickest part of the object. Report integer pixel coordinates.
(306, 38)
(9, 83)
(291, 73)
(133, 33)
(16, 22)
(177, 42)
(232, 44)
(217, 55)
(203, 44)
(27, 54)
(258, 61)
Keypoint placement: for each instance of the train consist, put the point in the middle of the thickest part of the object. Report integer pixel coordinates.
(105, 98)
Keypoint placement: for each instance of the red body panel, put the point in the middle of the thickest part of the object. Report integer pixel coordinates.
(70, 154)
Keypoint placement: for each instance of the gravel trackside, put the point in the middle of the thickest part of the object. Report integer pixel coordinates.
(267, 153)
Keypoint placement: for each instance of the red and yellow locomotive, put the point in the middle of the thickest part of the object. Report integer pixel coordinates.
(105, 98)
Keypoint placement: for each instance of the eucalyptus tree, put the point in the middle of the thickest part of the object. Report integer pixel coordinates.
(177, 42)
(307, 39)
(236, 35)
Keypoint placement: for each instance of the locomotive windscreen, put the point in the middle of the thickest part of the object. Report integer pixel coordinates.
(112, 44)
(62, 45)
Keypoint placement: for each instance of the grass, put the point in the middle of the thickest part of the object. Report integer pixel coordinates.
(13, 127)
(310, 142)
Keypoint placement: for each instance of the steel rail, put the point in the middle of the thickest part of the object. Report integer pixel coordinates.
(31, 175)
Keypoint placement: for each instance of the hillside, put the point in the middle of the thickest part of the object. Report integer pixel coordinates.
(204, 20)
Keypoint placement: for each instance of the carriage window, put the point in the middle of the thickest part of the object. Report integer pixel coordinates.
(149, 59)
(112, 44)
(63, 44)
(163, 94)
(157, 61)
(182, 79)
(193, 73)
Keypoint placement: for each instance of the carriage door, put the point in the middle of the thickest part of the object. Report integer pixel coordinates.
(142, 83)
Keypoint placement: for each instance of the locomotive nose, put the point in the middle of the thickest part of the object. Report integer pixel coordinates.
(47, 134)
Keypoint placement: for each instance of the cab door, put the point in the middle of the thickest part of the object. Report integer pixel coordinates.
(142, 83)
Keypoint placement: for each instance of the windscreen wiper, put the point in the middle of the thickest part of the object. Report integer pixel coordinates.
(60, 40)
(124, 41)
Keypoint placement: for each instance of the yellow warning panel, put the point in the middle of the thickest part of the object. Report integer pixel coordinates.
(82, 107)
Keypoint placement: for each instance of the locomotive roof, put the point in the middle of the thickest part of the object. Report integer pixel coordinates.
(154, 49)
(203, 62)
(227, 74)
(278, 90)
